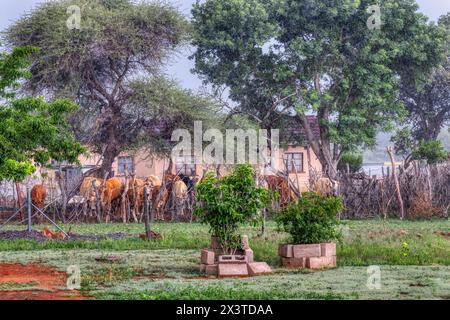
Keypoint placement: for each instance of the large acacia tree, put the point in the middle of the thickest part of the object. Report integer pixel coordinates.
(301, 57)
(105, 66)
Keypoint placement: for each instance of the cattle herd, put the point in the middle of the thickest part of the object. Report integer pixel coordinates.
(169, 199)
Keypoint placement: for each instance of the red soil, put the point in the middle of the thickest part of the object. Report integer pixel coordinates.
(45, 283)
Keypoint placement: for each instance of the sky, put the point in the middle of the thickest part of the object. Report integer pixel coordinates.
(179, 68)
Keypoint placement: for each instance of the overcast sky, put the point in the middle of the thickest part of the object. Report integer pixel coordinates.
(180, 69)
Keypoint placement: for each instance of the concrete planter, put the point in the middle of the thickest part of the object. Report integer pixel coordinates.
(215, 263)
(310, 256)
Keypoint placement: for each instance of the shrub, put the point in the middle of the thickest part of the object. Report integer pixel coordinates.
(354, 161)
(225, 203)
(313, 219)
(422, 208)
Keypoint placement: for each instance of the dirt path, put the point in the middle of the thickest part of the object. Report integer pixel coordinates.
(34, 282)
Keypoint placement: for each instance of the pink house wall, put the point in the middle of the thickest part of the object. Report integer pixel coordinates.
(146, 165)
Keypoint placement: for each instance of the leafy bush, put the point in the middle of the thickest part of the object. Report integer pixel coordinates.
(354, 161)
(225, 203)
(313, 219)
(431, 150)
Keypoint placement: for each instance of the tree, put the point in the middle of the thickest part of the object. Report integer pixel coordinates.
(228, 202)
(428, 103)
(101, 66)
(351, 161)
(301, 57)
(32, 130)
(412, 149)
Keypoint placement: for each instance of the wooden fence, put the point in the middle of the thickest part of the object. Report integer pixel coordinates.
(425, 191)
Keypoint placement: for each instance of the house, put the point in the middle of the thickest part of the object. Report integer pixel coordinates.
(295, 155)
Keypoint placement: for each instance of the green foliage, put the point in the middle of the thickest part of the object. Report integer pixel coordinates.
(354, 161)
(226, 203)
(313, 219)
(432, 151)
(163, 101)
(403, 142)
(96, 66)
(32, 131)
(114, 36)
(316, 57)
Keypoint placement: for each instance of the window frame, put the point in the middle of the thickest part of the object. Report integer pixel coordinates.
(126, 167)
(289, 156)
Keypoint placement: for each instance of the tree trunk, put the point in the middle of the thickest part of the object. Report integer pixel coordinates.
(397, 184)
(321, 146)
(109, 156)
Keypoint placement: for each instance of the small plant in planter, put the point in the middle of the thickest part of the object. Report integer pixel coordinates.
(312, 223)
(226, 203)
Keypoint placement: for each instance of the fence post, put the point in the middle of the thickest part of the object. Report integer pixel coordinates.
(146, 215)
(98, 207)
(19, 199)
(29, 209)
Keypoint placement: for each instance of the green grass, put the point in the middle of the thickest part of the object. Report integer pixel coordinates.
(16, 286)
(173, 274)
(414, 262)
(342, 283)
(365, 242)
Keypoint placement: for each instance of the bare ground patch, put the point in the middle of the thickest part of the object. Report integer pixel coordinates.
(34, 282)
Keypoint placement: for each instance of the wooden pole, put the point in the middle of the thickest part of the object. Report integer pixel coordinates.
(397, 184)
(29, 210)
(98, 206)
(19, 199)
(123, 201)
(146, 214)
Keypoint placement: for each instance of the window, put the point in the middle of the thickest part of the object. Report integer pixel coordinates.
(125, 164)
(186, 166)
(294, 162)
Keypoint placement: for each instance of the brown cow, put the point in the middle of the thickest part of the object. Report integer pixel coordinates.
(180, 196)
(162, 194)
(280, 185)
(113, 190)
(87, 191)
(326, 187)
(153, 181)
(136, 195)
(38, 196)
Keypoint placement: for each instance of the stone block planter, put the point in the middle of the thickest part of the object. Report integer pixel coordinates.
(311, 256)
(241, 264)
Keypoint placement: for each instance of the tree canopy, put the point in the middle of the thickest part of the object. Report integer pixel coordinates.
(112, 66)
(32, 130)
(300, 57)
(428, 101)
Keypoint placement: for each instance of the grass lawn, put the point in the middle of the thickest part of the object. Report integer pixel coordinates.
(414, 258)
